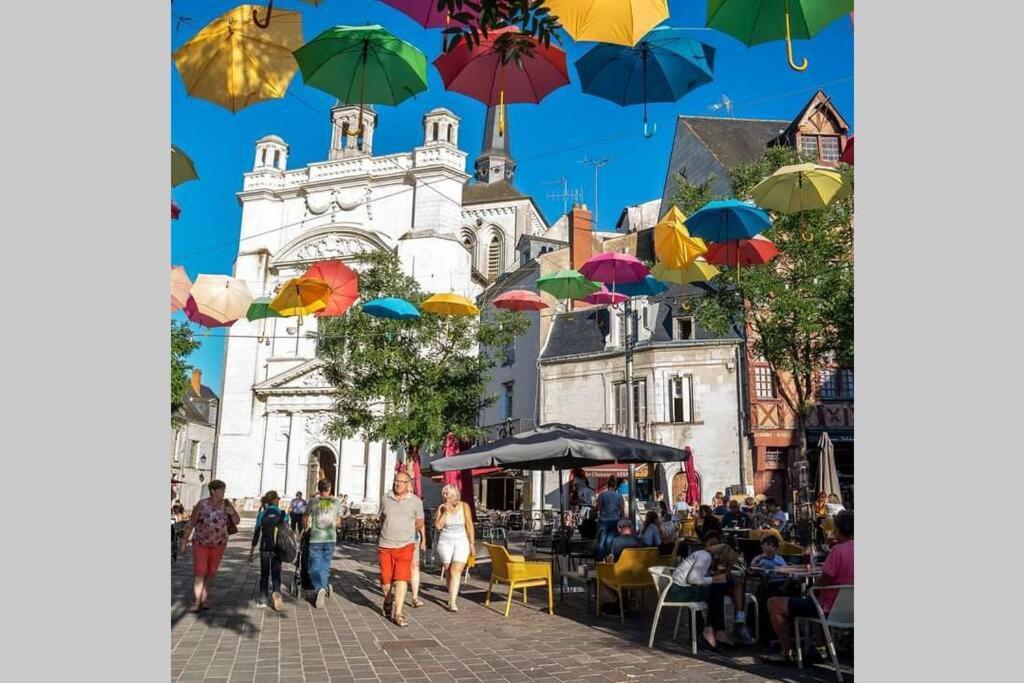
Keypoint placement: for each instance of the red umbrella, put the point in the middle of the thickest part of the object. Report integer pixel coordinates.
(692, 481)
(741, 252)
(847, 156)
(425, 12)
(612, 268)
(343, 283)
(175, 210)
(605, 297)
(464, 478)
(520, 300)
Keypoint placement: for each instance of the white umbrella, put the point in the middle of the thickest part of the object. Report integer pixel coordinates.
(828, 479)
(217, 300)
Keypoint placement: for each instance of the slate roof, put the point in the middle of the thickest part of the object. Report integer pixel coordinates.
(197, 408)
(735, 141)
(484, 193)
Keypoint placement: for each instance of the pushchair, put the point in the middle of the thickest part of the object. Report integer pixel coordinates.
(301, 581)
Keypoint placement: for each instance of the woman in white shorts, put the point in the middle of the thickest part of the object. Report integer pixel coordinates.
(456, 540)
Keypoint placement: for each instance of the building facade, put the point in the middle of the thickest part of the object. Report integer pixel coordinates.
(192, 442)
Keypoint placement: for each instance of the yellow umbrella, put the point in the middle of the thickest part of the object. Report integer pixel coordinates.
(234, 63)
(301, 296)
(697, 270)
(620, 22)
(800, 187)
(672, 242)
(449, 304)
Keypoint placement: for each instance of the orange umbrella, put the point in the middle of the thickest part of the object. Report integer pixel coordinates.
(342, 281)
(180, 285)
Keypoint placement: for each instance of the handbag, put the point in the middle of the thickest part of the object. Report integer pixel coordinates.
(232, 527)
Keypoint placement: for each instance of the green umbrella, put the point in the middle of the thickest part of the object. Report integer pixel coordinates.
(767, 20)
(567, 284)
(182, 168)
(364, 64)
(260, 308)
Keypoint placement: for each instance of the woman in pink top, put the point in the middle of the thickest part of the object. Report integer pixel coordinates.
(209, 521)
(837, 571)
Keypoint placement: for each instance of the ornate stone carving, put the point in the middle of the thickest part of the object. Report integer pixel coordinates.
(316, 424)
(320, 203)
(331, 246)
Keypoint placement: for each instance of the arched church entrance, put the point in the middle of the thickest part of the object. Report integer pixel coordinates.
(322, 465)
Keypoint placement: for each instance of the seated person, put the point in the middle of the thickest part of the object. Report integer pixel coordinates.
(837, 570)
(651, 534)
(821, 505)
(769, 558)
(777, 519)
(749, 505)
(707, 520)
(627, 538)
(735, 518)
(726, 559)
(669, 529)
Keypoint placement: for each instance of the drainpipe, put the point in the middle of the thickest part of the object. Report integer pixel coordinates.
(739, 409)
(288, 450)
(263, 456)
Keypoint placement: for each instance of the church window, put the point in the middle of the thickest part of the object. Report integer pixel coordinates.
(263, 158)
(435, 131)
(494, 264)
(450, 132)
(343, 142)
(277, 158)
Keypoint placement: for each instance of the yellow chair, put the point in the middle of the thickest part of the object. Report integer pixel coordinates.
(758, 534)
(518, 573)
(671, 560)
(787, 548)
(629, 573)
(688, 528)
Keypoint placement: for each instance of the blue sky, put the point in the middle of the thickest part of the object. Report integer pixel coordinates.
(548, 140)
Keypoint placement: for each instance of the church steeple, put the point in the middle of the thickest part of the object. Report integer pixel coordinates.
(495, 162)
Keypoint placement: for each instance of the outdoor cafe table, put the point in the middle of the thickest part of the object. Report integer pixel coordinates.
(578, 548)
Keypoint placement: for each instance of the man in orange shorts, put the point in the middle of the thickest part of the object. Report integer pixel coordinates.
(401, 517)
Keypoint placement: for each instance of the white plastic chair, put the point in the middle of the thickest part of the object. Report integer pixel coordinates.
(841, 616)
(662, 577)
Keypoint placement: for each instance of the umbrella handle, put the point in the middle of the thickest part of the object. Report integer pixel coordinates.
(266, 22)
(649, 129)
(789, 47)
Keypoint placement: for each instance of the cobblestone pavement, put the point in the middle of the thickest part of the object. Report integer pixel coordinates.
(349, 641)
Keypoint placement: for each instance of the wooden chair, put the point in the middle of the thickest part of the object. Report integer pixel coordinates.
(515, 571)
(630, 572)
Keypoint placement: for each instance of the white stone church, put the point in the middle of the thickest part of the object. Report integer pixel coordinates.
(452, 235)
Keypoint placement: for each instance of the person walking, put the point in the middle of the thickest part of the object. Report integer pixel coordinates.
(208, 526)
(296, 511)
(456, 542)
(323, 516)
(414, 575)
(268, 520)
(611, 507)
(401, 517)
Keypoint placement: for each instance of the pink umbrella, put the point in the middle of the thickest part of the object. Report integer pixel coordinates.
(520, 300)
(692, 480)
(612, 268)
(425, 12)
(606, 297)
(463, 478)
(175, 210)
(180, 286)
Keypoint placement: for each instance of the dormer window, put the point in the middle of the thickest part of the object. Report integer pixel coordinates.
(820, 147)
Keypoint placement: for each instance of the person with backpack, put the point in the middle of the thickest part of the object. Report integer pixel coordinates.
(270, 522)
(323, 516)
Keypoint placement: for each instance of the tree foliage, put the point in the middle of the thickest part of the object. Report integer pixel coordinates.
(473, 20)
(182, 346)
(408, 382)
(800, 306)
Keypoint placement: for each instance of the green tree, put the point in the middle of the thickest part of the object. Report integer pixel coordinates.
(799, 307)
(182, 346)
(408, 382)
(474, 19)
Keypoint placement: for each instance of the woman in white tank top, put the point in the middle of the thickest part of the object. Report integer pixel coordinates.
(456, 540)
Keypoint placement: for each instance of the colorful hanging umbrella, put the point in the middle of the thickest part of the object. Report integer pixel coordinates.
(742, 252)
(175, 210)
(449, 304)
(613, 268)
(767, 20)
(800, 187)
(520, 300)
(182, 168)
(363, 64)
(663, 67)
(392, 308)
(727, 219)
(698, 270)
(301, 296)
(621, 22)
(234, 62)
(606, 297)
(180, 286)
(567, 284)
(847, 156)
(217, 300)
(481, 74)
(343, 283)
(672, 242)
(649, 286)
(425, 12)
(260, 309)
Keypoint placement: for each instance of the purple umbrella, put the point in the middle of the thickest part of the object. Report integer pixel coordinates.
(612, 268)
(605, 297)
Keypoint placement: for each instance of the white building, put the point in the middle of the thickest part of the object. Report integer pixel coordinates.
(451, 236)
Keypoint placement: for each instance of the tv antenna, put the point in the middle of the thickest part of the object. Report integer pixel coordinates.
(565, 195)
(724, 103)
(598, 164)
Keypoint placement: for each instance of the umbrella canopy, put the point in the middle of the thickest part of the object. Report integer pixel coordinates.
(234, 62)
(727, 219)
(560, 446)
(621, 22)
(672, 242)
(260, 308)
(520, 300)
(742, 252)
(847, 156)
(692, 480)
(649, 286)
(175, 210)
(698, 270)
(800, 187)
(425, 12)
(180, 286)
(391, 308)
(611, 268)
(301, 296)
(761, 22)
(605, 297)
(217, 300)
(567, 284)
(182, 168)
(828, 478)
(449, 304)
(663, 67)
(343, 283)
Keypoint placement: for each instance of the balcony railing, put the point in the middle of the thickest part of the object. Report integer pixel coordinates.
(509, 427)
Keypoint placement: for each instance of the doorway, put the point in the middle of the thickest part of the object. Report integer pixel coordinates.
(322, 465)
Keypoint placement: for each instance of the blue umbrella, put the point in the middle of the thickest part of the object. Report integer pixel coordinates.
(726, 220)
(390, 307)
(662, 67)
(649, 286)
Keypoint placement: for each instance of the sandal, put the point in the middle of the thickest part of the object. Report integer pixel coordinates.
(386, 609)
(416, 602)
(194, 609)
(203, 606)
(400, 620)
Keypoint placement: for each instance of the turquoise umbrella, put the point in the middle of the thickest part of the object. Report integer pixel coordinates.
(726, 220)
(391, 308)
(649, 286)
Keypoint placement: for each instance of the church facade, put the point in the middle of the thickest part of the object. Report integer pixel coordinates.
(453, 233)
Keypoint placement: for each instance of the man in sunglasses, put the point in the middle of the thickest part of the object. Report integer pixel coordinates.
(401, 517)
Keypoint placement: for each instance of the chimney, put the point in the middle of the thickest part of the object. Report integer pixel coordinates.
(197, 381)
(581, 223)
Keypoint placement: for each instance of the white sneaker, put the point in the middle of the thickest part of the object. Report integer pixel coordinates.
(277, 601)
(321, 598)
